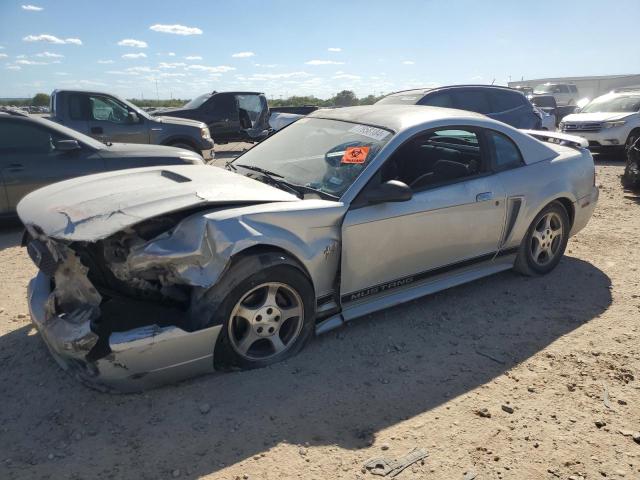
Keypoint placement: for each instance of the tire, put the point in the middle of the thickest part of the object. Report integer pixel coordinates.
(539, 252)
(280, 301)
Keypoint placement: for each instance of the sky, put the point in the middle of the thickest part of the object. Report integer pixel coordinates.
(183, 48)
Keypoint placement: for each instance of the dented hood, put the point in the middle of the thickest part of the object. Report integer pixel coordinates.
(93, 207)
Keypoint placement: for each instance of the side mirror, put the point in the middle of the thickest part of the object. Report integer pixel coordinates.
(391, 191)
(133, 117)
(67, 145)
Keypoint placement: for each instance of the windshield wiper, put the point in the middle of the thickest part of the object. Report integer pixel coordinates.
(274, 179)
(260, 170)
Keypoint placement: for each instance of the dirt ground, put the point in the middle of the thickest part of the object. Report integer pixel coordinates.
(562, 351)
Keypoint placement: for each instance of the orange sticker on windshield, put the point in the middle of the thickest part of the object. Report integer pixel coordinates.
(355, 155)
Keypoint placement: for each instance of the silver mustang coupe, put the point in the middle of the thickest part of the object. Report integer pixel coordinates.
(156, 274)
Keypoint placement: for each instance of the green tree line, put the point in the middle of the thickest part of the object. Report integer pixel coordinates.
(345, 98)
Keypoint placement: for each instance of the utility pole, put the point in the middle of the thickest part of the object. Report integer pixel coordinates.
(157, 93)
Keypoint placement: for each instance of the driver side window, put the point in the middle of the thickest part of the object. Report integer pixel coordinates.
(435, 158)
(108, 110)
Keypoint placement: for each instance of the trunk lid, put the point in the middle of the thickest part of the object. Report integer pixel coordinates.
(93, 207)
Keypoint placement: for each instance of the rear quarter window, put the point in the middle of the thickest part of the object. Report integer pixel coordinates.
(442, 99)
(472, 100)
(505, 100)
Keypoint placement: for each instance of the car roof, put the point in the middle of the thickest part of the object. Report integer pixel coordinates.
(446, 87)
(395, 117)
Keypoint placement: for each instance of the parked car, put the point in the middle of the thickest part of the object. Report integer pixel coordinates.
(612, 120)
(35, 152)
(109, 118)
(200, 267)
(230, 116)
(564, 93)
(500, 103)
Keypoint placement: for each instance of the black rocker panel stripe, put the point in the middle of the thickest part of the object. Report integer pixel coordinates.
(401, 282)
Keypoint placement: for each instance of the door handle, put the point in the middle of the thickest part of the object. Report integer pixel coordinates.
(96, 130)
(484, 196)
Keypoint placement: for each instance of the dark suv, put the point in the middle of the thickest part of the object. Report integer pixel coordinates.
(500, 103)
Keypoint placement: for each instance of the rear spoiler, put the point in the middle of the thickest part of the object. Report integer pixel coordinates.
(559, 138)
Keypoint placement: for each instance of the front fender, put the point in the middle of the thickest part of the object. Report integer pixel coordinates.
(198, 249)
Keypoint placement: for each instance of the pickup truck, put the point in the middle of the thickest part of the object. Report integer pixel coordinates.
(230, 116)
(108, 118)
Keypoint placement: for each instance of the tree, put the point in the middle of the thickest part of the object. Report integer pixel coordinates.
(345, 98)
(40, 100)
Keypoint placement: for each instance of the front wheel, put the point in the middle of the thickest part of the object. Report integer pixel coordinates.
(545, 241)
(267, 316)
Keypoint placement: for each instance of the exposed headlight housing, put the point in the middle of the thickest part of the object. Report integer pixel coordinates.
(616, 123)
(204, 131)
(561, 125)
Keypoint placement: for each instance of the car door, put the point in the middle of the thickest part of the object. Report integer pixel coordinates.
(31, 161)
(454, 219)
(224, 120)
(112, 121)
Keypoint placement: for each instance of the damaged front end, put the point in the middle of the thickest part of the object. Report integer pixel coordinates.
(112, 328)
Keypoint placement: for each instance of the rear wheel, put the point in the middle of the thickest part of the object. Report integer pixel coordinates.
(545, 241)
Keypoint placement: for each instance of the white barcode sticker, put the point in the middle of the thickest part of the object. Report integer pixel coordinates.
(371, 132)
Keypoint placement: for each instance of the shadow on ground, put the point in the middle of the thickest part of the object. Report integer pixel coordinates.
(10, 234)
(343, 389)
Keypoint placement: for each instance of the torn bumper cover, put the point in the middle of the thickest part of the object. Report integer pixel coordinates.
(136, 359)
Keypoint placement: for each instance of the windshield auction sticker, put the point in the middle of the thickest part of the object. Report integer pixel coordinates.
(371, 132)
(355, 155)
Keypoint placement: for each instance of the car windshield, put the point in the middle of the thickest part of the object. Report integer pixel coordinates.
(608, 103)
(545, 88)
(196, 102)
(402, 98)
(315, 154)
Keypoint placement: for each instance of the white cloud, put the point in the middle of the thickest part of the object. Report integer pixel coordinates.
(334, 49)
(105, 62)
(171, 65)
(265, 65)
(32, 8)
(171, 54)
(131, 56)
(45, 37)
(176, 29)
(130, 42)
(323, 62)
(30, 62)
(14, 67)
(277, 76)
(346, 76)
(49, 55)
(3, 55)
(243, 55)
(204, 68)
(193, 57)
(167, 74)
(408, 62)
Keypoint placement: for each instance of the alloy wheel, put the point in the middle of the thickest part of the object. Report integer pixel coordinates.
(266, 321)
(546, 239)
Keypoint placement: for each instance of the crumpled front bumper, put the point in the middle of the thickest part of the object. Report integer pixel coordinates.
(141, 358)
